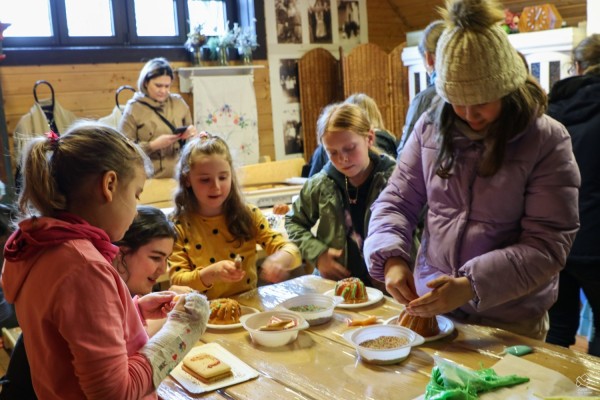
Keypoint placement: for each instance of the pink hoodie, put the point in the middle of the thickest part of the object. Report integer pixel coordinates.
(81, 328)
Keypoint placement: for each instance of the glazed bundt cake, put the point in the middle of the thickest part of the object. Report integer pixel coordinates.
(423, 326)
(224, 312)
(352, 289)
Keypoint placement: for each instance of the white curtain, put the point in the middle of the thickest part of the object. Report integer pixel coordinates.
(226, 106)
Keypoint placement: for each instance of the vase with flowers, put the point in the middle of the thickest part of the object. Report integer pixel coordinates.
(196, 39)
(224, 42)
(245, 41)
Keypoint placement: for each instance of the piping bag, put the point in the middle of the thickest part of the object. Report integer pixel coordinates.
(451, 381)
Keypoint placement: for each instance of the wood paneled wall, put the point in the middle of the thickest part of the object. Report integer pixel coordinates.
(88, 89)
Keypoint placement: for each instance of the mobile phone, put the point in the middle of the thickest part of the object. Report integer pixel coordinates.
(180, 130)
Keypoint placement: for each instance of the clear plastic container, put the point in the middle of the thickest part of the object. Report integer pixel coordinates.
(324, 306)
(253, 322)
(383, 356)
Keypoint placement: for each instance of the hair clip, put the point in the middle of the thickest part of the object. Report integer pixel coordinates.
(204, 135)
(53, 138)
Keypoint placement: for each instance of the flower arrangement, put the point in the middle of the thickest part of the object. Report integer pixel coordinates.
(228, 39)
(196, 38)
(245, 38)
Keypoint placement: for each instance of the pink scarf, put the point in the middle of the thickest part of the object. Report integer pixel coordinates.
(28, 239)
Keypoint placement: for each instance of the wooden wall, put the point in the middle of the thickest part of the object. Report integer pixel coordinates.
(88, 89)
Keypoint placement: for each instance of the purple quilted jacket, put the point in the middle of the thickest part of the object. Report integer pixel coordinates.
(509, 233)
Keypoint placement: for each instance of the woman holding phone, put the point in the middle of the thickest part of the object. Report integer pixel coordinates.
(158, 120)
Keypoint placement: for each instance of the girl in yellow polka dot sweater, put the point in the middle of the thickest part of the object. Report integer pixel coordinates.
(215, 225)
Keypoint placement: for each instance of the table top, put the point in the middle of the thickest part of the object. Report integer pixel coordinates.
(320, 364)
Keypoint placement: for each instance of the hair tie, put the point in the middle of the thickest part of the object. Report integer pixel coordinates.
(204, 134)
(53, 139)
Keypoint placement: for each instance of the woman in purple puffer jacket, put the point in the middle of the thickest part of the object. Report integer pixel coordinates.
(500, 181)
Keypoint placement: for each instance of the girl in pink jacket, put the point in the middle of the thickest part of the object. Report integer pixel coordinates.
(83, 332)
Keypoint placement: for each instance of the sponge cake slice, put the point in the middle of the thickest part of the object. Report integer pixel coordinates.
(206, 367)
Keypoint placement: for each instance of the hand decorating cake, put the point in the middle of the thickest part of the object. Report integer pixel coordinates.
(423, 326)
(224, 312)
(352, 290)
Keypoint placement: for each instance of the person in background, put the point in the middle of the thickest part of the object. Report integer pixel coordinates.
(575, 102)
(422, 100)
(158, 120)
(340, 195)
(384, 141)
(74, 309)
(500, 181)
(142, 257)
(215, 226)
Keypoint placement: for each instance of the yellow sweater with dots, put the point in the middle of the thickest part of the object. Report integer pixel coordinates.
(203, 241)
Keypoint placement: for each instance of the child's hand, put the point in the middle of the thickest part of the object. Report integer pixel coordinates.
(328, 266)
(399, 281)
(156, 305)
(222, 271)
(276, 267)
(448, 294)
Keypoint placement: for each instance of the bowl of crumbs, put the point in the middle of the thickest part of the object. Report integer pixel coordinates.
(273, 328)
(316, 308)
(383, 344)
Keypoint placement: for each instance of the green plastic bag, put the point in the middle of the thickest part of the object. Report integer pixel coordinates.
(451, 381)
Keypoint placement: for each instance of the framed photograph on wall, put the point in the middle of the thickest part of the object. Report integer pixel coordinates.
(293, 28)
(349, 22)
(288, 21)
(285, 98)
(319, 22)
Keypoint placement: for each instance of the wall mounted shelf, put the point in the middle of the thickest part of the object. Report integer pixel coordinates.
(186, 73)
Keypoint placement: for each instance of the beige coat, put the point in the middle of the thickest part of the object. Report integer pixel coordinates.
(141, 124)
(35, 124)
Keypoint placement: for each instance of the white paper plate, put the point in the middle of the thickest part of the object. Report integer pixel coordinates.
(245, 310)
(446, 327)
(240, 370)
(374, 296)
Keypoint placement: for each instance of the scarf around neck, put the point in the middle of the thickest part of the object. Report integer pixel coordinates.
(31, 238)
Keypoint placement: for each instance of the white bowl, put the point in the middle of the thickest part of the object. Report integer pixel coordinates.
(383, 356)
(252, 323)
(316, 317)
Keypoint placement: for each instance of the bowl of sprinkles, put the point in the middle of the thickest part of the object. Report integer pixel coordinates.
(383, 344)
(316, 308)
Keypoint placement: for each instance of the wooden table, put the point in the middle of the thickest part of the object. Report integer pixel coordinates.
(322, 365)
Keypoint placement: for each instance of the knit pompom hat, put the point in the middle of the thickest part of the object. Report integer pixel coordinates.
(474, 61)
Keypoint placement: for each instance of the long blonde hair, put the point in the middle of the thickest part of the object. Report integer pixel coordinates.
(237, 215)
(55, 169)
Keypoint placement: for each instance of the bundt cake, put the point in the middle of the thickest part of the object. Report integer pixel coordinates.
(224, 312)
(423, 326)
(352, 290)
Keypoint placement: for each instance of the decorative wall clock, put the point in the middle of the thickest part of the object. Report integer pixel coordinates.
(539, 18)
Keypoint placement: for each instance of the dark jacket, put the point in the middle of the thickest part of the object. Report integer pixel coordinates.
(321, 199)
(419, 104)
(575, 102)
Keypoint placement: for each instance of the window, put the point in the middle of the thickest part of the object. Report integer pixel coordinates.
(65, 31)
